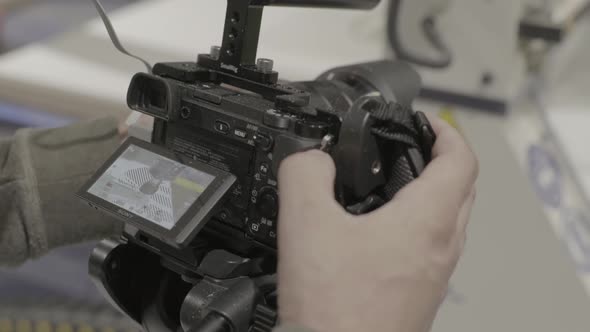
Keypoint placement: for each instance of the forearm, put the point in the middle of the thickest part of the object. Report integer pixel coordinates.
(40, 172)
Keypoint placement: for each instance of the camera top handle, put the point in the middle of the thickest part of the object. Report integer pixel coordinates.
(234, 63)
(351, 4)
(237, 54)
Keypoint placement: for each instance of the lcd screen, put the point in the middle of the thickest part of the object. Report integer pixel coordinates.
(151, 186)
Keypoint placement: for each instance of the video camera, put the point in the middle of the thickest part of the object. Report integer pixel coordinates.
(200, 201)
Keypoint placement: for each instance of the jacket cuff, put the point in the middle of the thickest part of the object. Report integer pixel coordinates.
(57, 163)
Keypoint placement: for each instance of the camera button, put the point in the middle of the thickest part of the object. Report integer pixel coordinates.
(222, 127)
(264, 168)
(277, 119)
(268, 203)
(224, 215)
(240, 133)
(262, 141)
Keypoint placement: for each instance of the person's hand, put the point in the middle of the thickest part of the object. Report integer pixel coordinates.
(141, 124)
(385, 271)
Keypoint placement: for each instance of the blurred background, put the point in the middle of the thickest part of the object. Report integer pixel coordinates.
(55, 288)
(512, 76)
(23, 22)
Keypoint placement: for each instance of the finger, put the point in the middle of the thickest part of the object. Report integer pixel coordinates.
(463, 221)
(465, 212)
(447, 136)
(307, 178)
(451, 174)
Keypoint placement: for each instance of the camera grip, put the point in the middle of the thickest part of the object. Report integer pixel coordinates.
(405, 167)
(396, 146)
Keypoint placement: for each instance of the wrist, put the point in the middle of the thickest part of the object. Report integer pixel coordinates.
(62, 160)
(398, 305)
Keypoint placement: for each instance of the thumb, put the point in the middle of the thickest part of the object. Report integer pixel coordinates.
(307, 179)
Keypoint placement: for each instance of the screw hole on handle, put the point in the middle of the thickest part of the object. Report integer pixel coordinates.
(231, 50)
(371, 106)
(185, 113)
(233, 33)
(235, 18)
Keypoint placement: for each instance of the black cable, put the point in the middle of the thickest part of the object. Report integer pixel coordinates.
(431, 34)
(113, 35)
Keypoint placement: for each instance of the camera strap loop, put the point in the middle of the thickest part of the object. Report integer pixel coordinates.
(397, 128)
(395, 123)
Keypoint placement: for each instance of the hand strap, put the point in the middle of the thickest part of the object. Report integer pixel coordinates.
(397, 123)
(405, 138)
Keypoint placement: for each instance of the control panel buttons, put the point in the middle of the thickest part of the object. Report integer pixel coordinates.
(268, 203)
(228, 217)
(241, 133)
(224, 215)
(311, 129)
(208, 96)
(262, 141)
(222, 127)
(263, 230)
(277, 119)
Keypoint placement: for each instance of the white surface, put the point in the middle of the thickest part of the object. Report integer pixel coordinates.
(559, 134)
(555, 185)
(571, 127)
(567, 103)
(565, 10)
(482, 37)
(514, 275)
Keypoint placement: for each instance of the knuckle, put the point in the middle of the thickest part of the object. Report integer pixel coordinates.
(466, 160)
(445, 257)
(292, 159)
(318, 156)
(474, 163)
(303, 158)
(440, 234)
(291, 163)
(321, 161)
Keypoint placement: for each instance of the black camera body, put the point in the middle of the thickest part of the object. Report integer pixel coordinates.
(248, 135)
(227, 122)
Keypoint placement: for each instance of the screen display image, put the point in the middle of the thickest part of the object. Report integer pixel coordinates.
(151, 186)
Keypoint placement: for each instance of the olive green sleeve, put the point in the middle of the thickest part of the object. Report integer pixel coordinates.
(40, 172)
